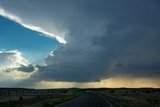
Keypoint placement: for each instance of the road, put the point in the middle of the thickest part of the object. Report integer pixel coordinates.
(87, 99)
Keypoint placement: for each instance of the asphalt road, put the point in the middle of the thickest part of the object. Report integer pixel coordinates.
(87, 99)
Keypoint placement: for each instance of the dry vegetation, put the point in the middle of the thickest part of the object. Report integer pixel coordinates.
(35, 98)
(144, 97)
(123, 97)
(54, 101)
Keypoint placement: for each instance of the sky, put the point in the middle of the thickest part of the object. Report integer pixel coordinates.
(14, 36)
(87, 43)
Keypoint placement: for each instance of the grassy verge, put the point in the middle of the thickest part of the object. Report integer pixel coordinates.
(133, 97)
(54, 101)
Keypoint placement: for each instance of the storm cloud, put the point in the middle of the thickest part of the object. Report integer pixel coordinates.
(104, 38)
(11, 59)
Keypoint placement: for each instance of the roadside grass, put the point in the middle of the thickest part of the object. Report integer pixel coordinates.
(54, 101)
(133, 97)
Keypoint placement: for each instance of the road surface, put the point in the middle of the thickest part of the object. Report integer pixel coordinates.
(87, 99)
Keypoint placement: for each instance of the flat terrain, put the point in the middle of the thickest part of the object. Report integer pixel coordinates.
(122, 97)
(87, 99)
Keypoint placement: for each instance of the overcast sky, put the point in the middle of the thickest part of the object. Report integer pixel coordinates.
(79, 41)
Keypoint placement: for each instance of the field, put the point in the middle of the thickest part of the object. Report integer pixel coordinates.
(144, 97)
(122, 97)
(35, 98)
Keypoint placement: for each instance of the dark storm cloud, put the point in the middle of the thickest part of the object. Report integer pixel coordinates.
(104, 37)
(29, 68)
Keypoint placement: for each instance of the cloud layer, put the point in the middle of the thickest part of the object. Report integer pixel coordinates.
(13, 68)
(13, 60)
(104, 38)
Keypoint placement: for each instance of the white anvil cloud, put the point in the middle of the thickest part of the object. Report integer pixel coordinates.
(17, 19)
